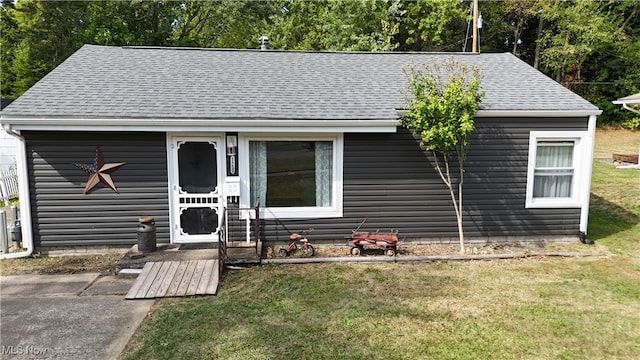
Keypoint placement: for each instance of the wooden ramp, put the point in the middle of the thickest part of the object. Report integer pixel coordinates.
(176, 278)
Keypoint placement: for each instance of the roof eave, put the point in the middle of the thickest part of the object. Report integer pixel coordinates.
(529, 113)
(63, 123)
(538, 113)
(628, 102)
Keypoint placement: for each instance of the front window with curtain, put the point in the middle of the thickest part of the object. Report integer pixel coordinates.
(553, 172)
(291, 173)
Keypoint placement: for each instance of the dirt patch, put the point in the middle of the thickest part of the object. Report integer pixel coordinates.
(104, 264)
(616, 141)
(271, 252)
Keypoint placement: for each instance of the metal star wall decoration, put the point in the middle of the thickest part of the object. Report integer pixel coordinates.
(99, 172)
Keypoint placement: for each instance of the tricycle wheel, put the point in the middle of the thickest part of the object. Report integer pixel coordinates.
(355, 251)
(283, 252)
(309, 250)
(390, 252)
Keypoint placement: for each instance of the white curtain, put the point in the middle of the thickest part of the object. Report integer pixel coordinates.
(324, 172)
(258, 172)
(553, 173)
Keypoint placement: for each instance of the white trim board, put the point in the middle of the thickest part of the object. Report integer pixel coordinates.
(335, 210)
(580, 160)
(201, 125)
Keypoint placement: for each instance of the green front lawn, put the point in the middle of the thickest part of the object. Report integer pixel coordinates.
(536, 308)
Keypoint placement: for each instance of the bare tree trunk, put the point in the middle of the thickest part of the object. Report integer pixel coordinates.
(459, 212)
(155, 24)
(516, 36)
(536, 59)
(457, 203)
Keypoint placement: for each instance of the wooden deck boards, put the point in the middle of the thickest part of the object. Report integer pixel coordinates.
(176, 278)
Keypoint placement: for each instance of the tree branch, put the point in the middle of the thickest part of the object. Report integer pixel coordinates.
(626, 22)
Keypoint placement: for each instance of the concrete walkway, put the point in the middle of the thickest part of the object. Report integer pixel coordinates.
(82, 316)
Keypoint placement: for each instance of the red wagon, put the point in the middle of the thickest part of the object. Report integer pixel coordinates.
(360, 240)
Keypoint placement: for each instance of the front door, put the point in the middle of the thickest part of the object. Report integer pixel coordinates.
(196, 186)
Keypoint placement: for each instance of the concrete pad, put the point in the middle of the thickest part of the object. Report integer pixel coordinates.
(129, 273)
(45, 285)
(65, 325)
(167, 252)
(109, 285)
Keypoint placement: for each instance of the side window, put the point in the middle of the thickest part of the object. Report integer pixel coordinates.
(554, 167)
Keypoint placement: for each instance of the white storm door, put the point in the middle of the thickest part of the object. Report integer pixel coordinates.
(196, 189)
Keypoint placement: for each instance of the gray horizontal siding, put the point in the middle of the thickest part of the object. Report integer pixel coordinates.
(390, 181)
(64, 216)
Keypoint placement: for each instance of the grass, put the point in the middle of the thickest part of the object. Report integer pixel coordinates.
(614, 217)
(104, 264)
(534, 308)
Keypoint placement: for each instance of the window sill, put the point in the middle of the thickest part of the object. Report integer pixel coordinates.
(551, 203)
(295, 213)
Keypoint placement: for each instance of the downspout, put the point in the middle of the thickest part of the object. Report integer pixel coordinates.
(586, 185)
(626, 106)
(23, 193)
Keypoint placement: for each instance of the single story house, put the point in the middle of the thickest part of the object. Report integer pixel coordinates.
(314, 138)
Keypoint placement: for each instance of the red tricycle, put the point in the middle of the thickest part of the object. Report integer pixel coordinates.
(387, 241)
(298, 242)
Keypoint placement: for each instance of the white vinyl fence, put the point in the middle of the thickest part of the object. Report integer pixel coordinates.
(8, 184)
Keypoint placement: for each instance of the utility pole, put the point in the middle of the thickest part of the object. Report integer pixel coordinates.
(474, 45)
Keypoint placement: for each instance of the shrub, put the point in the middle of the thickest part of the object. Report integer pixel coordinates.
(632, 124)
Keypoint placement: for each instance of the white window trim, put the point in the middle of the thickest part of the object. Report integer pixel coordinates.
(292, 212)
(579, 157)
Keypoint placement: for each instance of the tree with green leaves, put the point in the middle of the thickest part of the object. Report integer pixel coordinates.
(8, 42)
(433, 25)
(224, 23)
(444, 99)
(575, 33)
(339, 25)
(41, 34)
(116, 23)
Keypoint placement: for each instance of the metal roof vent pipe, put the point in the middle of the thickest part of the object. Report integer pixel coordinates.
(264, 42)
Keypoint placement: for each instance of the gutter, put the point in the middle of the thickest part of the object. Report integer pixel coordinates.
(23, 193)
(537, 113)
(265, 124)
(626, 106)
(527, 113)
(586, 186)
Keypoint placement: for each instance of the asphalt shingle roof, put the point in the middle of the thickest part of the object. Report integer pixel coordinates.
(143, 82)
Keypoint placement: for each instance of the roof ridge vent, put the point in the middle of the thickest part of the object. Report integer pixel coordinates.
(264, 42)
